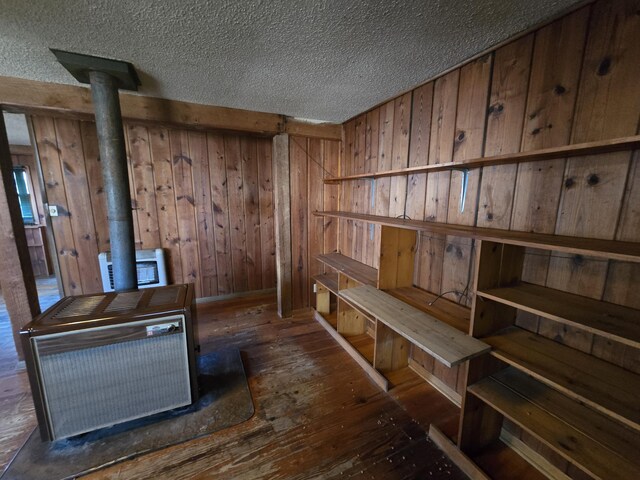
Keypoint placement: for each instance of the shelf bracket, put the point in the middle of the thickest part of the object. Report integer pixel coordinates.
(463, 187)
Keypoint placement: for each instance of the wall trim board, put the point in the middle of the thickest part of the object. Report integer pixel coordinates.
(231, 296)
(29, 96)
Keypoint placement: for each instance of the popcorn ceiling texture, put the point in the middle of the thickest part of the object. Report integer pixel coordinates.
(326, 60)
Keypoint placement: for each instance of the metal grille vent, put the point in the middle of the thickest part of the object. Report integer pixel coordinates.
(80, 306)
(165, 296)
(124, 301)
(147, 273)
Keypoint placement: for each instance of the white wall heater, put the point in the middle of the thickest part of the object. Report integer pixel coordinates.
(150, 264)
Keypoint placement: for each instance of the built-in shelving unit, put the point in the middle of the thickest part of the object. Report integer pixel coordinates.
(608, 320)
(613, 249)
(575, 150)
(583, 408)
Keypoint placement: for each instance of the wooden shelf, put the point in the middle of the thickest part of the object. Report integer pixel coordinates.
(364, 362)
(445, 343)
(353, 269)
(364, 344)
(612, 249)
(579, 149)
(445, 310)
(329, 280)
(601, 318)
(596, 444)
(599, 384)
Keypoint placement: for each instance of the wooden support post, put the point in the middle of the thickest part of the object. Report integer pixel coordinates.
(282, 217)
(323, 299)
(391, 350)
(350, 321)
(17, 281)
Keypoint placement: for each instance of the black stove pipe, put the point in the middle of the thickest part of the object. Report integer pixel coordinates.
(106, 102)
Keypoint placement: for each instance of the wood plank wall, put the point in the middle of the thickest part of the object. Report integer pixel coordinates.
(575, 80)
(312, 160)
(205, 198)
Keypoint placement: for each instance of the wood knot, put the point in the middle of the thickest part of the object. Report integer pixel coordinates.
(559, 90)
(489, 216)
(496, 109)
(604, 67)
(593, 179)
(569, 182)
(460, 137)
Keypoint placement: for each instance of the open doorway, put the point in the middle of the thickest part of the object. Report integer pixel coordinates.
(32, 207)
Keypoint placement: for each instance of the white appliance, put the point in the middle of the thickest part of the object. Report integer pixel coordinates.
(150, 264)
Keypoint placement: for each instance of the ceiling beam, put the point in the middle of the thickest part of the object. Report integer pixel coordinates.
(29, 96)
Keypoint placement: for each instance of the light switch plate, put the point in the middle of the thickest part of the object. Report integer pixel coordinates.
(53, 210)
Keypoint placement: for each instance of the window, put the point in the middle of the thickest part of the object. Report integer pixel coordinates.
(21, 178)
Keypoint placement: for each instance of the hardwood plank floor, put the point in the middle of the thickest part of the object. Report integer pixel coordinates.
(317, 414)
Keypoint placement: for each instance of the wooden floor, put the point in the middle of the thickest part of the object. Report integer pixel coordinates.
(317, 414)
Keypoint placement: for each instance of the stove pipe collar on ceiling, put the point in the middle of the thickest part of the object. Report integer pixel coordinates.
(106, 76)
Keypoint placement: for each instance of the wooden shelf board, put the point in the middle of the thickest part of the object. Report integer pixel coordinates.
(443, 309)
(603, 386)
(329, 280)
(601, 318)
(580, 149)
(353, 269)
(572, 430)
(613, 249)
(376, 376)
(445, 343)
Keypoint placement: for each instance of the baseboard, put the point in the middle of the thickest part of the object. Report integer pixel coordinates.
(229, 296)
(435, 382)
(530, 455)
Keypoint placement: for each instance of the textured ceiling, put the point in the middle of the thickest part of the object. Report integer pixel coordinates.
(325, 60)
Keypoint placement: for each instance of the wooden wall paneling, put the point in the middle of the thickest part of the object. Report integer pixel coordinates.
(346, 194)
(282, 223)
(220, 205)
(248, 149)
(134, 206)
(235, 185)
(185, 208)
(456, 272)
(445, 101)
(267, 231)
(629, 226)
(331, 164)
(400, 159)
(299, 222)
(49, 153)
(79, 202)
(505, 118)
(555, 70)
(473, 97)
(144, 190)
(96, 186)
(359, 188)
(419, 149)
(199, 154)
(591, 201)
(385, 155)
(315, 203)
(370, 166)
(166, 201)
(430, 258)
